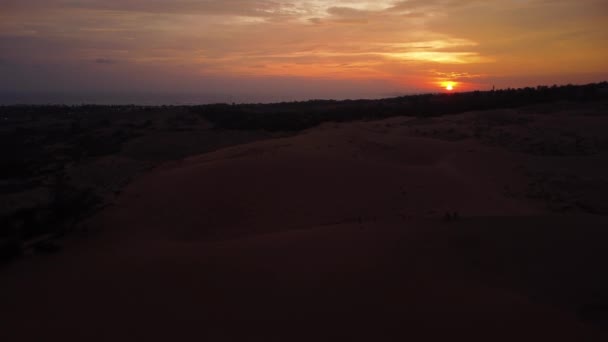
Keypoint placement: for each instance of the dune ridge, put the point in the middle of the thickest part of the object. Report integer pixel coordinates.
(338, 233)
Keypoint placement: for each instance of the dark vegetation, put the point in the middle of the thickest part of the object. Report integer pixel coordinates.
(40, 146)
(295, 116)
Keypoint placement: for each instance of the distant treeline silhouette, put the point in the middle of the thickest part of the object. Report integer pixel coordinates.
(38, 144)
(293, 116)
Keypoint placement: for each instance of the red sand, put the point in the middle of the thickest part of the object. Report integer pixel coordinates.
(335, 234)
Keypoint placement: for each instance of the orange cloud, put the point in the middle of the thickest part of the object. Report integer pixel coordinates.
(414, 41)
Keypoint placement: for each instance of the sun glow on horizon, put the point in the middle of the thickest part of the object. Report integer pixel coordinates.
(448, 85)
(303, 48)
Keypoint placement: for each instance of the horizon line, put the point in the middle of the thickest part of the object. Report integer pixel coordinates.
(230, 99)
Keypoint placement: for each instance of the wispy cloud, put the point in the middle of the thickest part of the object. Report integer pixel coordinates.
(415, 41)
(106, 61)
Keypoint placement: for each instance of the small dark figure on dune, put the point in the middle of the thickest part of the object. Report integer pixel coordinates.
(451, 216)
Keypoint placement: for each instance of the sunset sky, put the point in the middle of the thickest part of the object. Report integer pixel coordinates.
(273, 49)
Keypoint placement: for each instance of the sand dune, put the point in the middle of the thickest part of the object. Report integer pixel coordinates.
(334, 234)
(321, 177)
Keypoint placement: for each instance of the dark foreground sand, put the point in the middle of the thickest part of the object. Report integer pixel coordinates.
(332, 235)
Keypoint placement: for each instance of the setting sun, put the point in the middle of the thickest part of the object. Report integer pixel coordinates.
(448, 85)
(265, 51)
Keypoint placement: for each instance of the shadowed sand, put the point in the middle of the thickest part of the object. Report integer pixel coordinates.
(334, 234)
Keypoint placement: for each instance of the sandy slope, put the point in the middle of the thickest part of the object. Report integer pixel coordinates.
(335, 234)
(325, 176)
